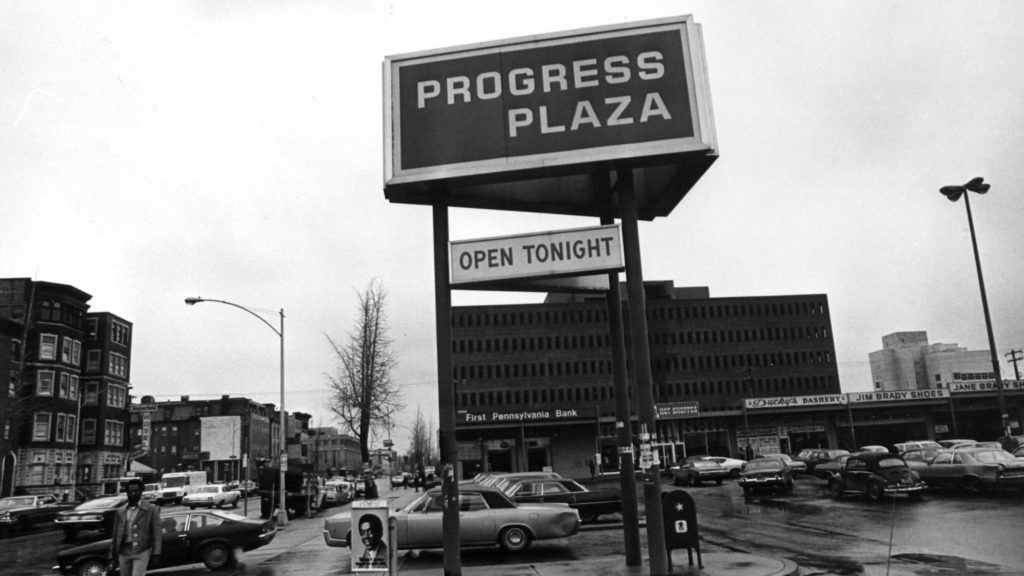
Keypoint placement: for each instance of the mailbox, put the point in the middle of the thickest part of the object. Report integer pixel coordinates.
(680, 517)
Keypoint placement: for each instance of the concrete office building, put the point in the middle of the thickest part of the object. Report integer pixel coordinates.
(534, 384)
(908, 362)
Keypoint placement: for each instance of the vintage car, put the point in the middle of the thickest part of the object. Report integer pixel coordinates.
(829, 469)
(590, 503)
(814, 458)
(20, 512)
(211, 537)
(798, 466)
(919, 457)
(696, 469)
(874, 475)
(338, 492)
(949, 443)
(974, 470)
(97, 514)
(212, 495)
(902, 447)
(733, 465)
(488, 517)
(766, 474)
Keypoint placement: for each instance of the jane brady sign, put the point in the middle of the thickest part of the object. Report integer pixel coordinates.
(540, 255)
(543, 101)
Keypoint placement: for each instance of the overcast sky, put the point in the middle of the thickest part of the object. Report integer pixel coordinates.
(233, 150)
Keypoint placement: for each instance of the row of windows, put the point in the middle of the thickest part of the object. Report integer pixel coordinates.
(660, 364)
(592, 341)
(45, 380)
(117, 396)
(964, 376)
(664, 392)
(654, 312)
(64, 429)
(113, 432)
(71, 351)
(55, 311)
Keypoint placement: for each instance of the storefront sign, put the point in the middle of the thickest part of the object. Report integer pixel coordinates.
(990, 386)
(516, 416)
(552, 254)
(897, 395)
(795, 401)
(677, 410)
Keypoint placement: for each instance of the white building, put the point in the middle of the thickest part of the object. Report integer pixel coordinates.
(906, 361)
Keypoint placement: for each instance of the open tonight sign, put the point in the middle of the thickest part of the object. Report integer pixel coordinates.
(613, 92)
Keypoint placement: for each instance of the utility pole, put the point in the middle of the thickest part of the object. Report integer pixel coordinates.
(1015, 356)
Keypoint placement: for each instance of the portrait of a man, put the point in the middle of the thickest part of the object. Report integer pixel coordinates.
(375, 551)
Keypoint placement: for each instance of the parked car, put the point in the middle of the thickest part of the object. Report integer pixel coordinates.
(990, 444)
(872, 448)
(590, 503)
(211, 537)
(488, 517)
(955, 441)
(212, 495)
(766, 474)
(798, 466)
(817, 457)
(802, 456)
(151, 491)
(696, 469)
(874, 475)
(97, 514)
(919, 458)
(338, 492)
(902, 447)
(974, 470)
(1019, 452)
(21, 512)
(399, 480)
(733, 465)
(829, 469)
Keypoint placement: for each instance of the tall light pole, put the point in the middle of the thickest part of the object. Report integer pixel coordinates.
(953, 193)
(282, 513)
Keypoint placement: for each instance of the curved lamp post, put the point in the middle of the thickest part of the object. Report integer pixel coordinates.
(282, 514)
(953, 193)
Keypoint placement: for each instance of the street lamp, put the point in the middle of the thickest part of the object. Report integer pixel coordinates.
(282, 514)
(954, 193)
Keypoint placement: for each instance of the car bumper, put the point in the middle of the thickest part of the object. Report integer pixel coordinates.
(905, 489)
(332, 541)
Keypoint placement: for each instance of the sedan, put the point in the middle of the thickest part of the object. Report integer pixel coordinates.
(696, 469)
(829, 469)
(798, 466)
(590, 503)
(974, 470)
(210, 537)
(487, 518)
(95, 514)
(766, 474)
(733, 465)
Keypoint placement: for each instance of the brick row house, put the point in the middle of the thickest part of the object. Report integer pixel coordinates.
(65, 413)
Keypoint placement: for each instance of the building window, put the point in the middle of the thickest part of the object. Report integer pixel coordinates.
(119, 333)
(92, 361)
(118, 365)
(115, 396)
(89, 431)
(41, 426)
(62, 427)
(47, 346)
(114, 433)
(71, 351)
(91, 393)
(44, 383)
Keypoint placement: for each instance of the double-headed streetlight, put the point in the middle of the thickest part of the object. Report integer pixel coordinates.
(954, 193)
(282, 512)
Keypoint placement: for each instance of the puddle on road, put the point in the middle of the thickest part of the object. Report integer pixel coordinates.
(939, 564)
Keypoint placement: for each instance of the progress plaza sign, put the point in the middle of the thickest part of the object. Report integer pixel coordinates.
(516, 124)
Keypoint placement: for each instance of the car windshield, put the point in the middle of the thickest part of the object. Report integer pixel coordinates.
(762, 465)
(994, 456)
(16, 502)
(101, 503)
(209, 489)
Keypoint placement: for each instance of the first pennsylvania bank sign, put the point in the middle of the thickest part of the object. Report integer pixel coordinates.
(545, 101)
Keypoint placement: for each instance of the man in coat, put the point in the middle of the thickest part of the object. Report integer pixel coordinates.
(136, 539)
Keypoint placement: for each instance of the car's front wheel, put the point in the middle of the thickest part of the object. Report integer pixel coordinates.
(588, 516)
(874, 491)
(91, 567)
(514, 539)
(216, 555)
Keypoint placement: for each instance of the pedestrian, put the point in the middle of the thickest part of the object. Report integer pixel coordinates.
(593, 468)
(136, 537)
(405, 481)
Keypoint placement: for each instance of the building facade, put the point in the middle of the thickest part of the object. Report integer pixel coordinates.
(535, 388)
(334, 453)
(230, 438)
(907, 361)
(65, 366)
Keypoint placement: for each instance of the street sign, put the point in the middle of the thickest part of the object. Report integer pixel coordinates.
(552, 254)
(673, 410)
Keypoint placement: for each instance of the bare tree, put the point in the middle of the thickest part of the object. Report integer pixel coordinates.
(363, 396)
(420, 442)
